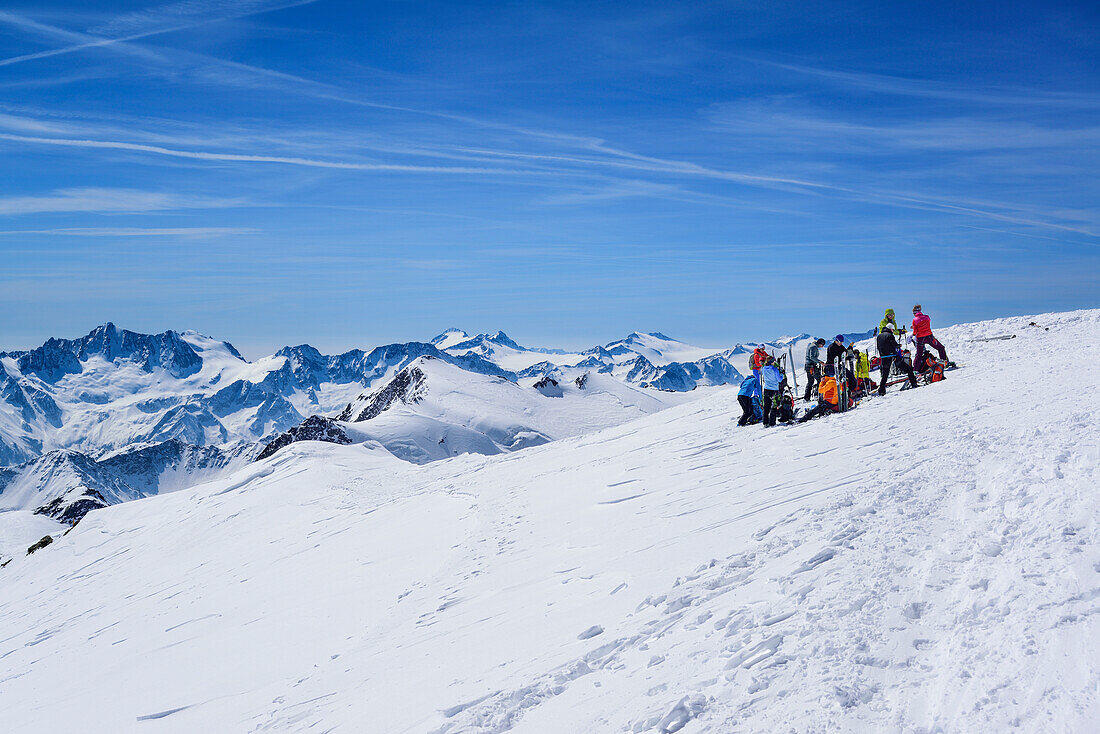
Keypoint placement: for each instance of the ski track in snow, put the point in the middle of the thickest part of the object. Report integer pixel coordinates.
(926, 563)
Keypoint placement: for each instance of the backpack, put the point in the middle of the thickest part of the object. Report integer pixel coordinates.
(786, 409)
(933, 369)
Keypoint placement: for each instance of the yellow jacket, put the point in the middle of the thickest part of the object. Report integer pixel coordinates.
(863, 366)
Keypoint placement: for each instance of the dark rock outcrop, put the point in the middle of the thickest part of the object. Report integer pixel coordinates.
(406, 386)
(314, 428)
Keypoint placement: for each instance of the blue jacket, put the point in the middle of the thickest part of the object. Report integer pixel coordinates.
(750, 386)
(772, 377)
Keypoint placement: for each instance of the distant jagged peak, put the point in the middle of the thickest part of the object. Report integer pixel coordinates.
(106, 329)
(307, 350)
(59, 357)
(205, 343)
(599, 352)
(407, 386)
(501, 338)
(484, 342)
(784, 341)
(449, 337)
(636, 337)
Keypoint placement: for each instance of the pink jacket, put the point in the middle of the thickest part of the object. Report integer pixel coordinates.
(922, 325)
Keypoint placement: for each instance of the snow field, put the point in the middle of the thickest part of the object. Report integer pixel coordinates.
(927, 562)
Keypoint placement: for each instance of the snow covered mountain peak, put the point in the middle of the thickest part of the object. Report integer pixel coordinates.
(57, 358)
(407, 386)
(485, 343)
(657, 348)
(449, 338)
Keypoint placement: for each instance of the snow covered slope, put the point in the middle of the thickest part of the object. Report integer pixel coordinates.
(927, 562)
(659, 349)
(431, 410)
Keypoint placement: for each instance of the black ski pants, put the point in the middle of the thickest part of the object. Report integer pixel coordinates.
(884, 371)
(822, 408)
(770, 410)
(747, 412)
(813, 375)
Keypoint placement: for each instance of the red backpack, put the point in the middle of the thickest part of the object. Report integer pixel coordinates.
(935, 368)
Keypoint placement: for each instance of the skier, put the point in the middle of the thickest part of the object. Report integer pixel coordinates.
(828, 402)
(890, 353)
(813, 366)
(922, 335)
(837, 351)
(890, 323)
(771, 379)
(749, 397)
(863, 373)
(759, 357)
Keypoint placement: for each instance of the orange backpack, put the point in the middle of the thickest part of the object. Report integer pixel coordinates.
(935, 367)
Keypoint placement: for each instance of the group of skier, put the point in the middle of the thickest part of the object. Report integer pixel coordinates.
(762, 393)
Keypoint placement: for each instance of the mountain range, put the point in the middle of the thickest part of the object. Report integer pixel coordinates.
(73, 411)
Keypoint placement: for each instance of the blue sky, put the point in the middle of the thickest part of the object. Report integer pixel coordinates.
(354, 173)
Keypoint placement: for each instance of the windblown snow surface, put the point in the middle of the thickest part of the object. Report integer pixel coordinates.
(927, 562)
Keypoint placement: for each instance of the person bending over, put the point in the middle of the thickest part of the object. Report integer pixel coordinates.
(746, 396)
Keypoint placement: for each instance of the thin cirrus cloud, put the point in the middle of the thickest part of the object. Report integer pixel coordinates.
(254, 158)
(911, 87)
(92, 199)
(802, 127)
(158, 20)
(625, 160)
(186, 232)
(144, 24)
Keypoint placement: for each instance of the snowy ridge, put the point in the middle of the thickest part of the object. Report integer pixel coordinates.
(433, 410)
(927, 562)
(65, 485)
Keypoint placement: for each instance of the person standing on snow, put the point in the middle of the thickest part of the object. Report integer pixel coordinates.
(863, 373)
(836, 358)
(747, 396)
(922, 335)
(771, 379)
(759, 357)
(889, 352)
(813, 366)
(836, 349)
(890, 323)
